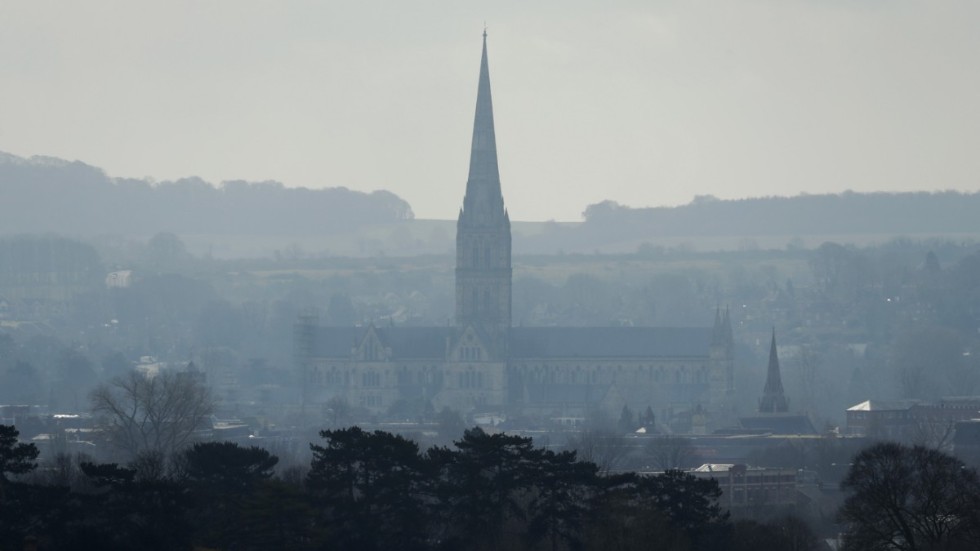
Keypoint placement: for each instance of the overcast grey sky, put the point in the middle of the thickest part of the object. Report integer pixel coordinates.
(645, 103)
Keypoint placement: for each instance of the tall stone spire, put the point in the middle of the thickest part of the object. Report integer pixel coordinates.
(773, 400)
(483, 240)
(483, 195)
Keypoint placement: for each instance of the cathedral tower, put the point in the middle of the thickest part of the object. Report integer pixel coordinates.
(483, 268)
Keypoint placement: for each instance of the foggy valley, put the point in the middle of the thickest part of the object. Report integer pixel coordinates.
(194, 364)
(861, 317)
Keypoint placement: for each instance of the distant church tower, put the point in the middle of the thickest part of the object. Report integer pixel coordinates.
(483, 269)
(773, 400)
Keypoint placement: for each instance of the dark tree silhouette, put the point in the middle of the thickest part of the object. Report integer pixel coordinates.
(222, 476)
(15, 457)
(359, 477)
(123, 511)
(491, 475)
(561, 493)
(277, 515)
(623, 518)
(227, 466)
(910, 499)
(783, 534)
(372, 491)
(690, 503)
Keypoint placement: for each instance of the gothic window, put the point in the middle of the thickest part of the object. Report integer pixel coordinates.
(371, 379)
(471, 379)
(475, 301)
(486, 300)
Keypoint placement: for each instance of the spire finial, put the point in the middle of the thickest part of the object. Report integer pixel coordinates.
(484, 30)
(483, 183)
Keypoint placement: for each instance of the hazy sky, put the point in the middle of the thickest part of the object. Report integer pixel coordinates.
(645, 103)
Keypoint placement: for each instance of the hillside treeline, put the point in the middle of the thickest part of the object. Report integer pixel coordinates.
(831, 214)
(42, 194)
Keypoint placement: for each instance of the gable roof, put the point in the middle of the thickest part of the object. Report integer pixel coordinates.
(880, 405)
(416, 342)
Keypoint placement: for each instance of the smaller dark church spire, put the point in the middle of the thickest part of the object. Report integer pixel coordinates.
(773, 400)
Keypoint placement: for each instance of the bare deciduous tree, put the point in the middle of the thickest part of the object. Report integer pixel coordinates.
(910, 499)
(671, 452)
(935, 434)
(606, 448)
(158, 414)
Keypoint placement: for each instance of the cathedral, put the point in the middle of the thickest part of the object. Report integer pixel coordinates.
(483, 364)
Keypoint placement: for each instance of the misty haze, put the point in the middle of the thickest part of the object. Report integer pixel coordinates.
(662, 285)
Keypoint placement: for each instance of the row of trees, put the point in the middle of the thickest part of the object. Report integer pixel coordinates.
(826, 214)
(375, 490)
(117, 205)
(367, 490)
